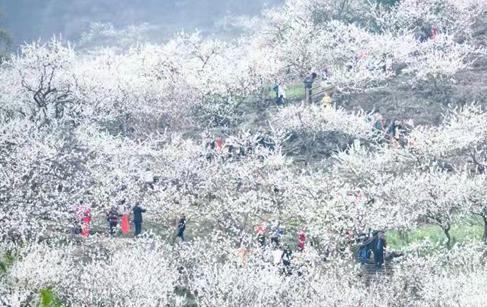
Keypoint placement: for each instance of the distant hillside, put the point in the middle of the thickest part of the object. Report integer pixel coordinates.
(31, 19)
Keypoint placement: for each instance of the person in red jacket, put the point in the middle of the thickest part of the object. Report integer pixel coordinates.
(301, 240)
(83, 218)
(261, 231)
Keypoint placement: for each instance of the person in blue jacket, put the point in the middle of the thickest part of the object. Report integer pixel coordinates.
(378, 245)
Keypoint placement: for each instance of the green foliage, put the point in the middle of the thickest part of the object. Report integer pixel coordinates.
(49, 298)
(7, 261)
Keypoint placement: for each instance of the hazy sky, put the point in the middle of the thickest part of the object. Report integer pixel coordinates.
(29, 20)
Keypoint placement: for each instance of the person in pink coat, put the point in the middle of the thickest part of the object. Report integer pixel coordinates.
(301, 240)
(83, 216)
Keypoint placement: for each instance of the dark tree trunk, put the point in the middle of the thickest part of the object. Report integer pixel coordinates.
(484, 237)
(446, 230)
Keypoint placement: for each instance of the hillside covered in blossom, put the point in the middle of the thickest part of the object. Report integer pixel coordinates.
(327, 153)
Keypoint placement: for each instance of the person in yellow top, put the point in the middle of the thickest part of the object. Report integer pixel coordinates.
(326, 100)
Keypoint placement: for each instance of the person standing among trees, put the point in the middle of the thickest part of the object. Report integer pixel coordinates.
(308, 87)
(276, 233)
(83, 217)
(261, 231)
(112, 218)
(138, 218)
(326, 100)
(301, 240)
(364, 249)
(181, 227)
(391, 129)
(276, 89)
(280, 90)
(77, 218)
(286, 259)
(434, 33)
(325, 74)
(281, 94)
(378, 245)
(379, 124)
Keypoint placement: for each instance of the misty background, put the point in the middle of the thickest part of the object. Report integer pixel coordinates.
(29, 20)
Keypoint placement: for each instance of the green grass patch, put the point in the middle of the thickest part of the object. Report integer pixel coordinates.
(293, 91)
(458, 233)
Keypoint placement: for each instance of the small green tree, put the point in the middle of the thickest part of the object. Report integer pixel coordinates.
(49, 298)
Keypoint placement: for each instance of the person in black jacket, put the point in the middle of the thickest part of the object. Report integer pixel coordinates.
(181, 227)
(138, 218)
(378, 245)
(308, 87)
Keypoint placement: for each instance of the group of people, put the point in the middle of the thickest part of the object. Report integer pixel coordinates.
(83, 217)
(368, 245)
(282, 253)
(280, 89)
(274, 231)
(372, 62)
(391, 128)
(308, 86)
(427, 32)
(377, 244)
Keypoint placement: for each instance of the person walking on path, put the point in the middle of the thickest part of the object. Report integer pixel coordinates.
(181, 227)
(378, 246)
(138, 218)
(112, 218)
